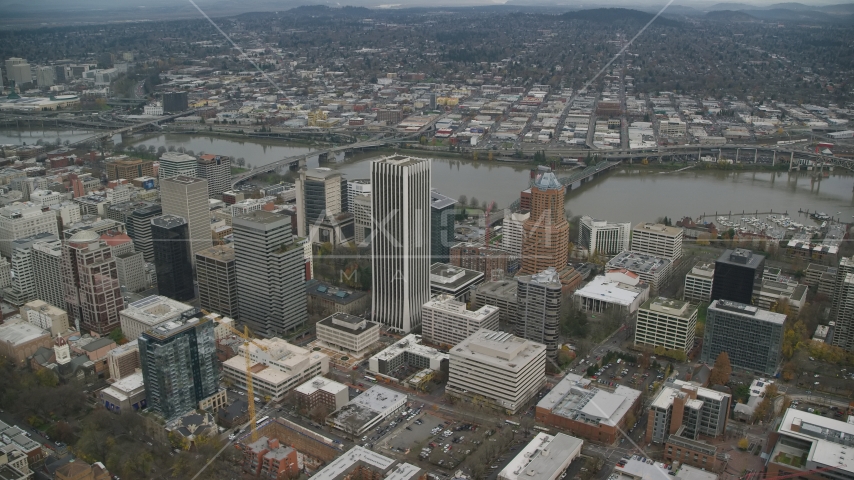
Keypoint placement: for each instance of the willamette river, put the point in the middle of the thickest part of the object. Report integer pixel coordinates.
(629, 194)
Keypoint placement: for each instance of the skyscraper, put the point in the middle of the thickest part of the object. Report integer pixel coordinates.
(174, 102)
(24, 285)
(602, 237)
(217, 276)
(400, 249)
(318, 197)
(737, 272)
(176, 164)
(441, 227)
(843, 305)
(751, 337)
(170, 236)
(216, 169)
(47, 267)
(91, 280)
(538, 308)
(270, 273)
(179, 365)
(187, 197)
(546, 232)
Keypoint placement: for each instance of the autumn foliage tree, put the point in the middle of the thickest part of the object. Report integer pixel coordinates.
(721, 370)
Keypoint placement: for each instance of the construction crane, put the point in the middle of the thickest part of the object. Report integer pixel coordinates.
(250, 399)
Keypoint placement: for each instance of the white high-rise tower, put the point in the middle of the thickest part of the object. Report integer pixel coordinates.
(400, 240)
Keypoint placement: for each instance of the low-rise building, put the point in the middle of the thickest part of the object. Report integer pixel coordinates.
(325, 299)
(277, 367)
(589, 410)
(46, 316)
(321, 391)
(447, 279)
(545, 457)
(698, 282)
(446, 321)
(359, 462)
(668, 323)
(267, 458)
(80, 470)
(348, 333)
(773, 293)
(125, 395)
(367, 410)
(811, 446)
(744, 411)
(123, 360)
(649, 268)
(618, 290)
(496, 369)
(20, 339)
(701, 411)
(407, 352)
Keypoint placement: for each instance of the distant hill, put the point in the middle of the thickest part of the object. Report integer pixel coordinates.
(786, 15)
(610, 15)
(730, 16)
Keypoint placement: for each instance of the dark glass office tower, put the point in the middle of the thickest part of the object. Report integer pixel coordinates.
(170, 235)
(737, 273)
(441, 227)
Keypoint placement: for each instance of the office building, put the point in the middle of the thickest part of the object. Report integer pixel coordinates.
(47, 268)
(589, 410)
(361, 207)
(318, 197)
(19, 72)
(170, 236)
(177, 164)
(267, 458)
(187, 197)
(131, 268)
(348, 334)
(513, 232)
(698, 282)
(356, 188)
(5, 273)
(46, 316)
(216, 169)
(93, 295)
(497, 368)
(367, 410)
(322, 392)
(442, 215)
(325, 299)
(25, 283)
(446, 321)
(276, 370)
(772, 293)
(270, 273)
(129, 168)
(737, 273)
(811, 446)
(618, 291)
(538, 309)
(216, 274)
(174, 102)
(752, 337)
(45, 77)
(657, 240)
(137, 218)
(546, 232)
(360, 462)
(545, 457)
(150, 312)
(408, 351)
(843, 331)
(179, 365)
(501, 294)
(663, 322)
(648, 268)
(23, 220)
(603, 238)
(687, 410)
(123, 360)
(400, 250)
(490, 261)
(125, 395)
(455, 281)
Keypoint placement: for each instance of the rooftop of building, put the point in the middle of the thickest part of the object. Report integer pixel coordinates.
(177, 157)
(646, 470)
(687, 472)
(173, 327)
(449, 277)
(439, 201)
(322, 173)
(183, 180)
(222, 253)
(168, 221)
(748, 311)
(360, 456)
(499, 349)
(598, 223)
(348, 323)
(127, 386)
(578, 398)
(401, 160)
(542, 458)
(155, 309)
(673, 389)
(261, 216)
(500, 288)
(114, 238)
(830, 440)
(450, 304)
(547, 181)
(548, 278)
(658, 229)
(703, 269)
(97, 344)
(638, 262)
(741, 257)
(44, 307)
(15, 331)
(611, 291)
(338, 295)
(320, 383)
(412, 344)
(670, 306)
(373, 402)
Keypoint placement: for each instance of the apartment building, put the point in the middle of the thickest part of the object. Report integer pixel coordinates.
(698, 282)
(668, 323)
(538, 305)
(603, 238)
(687, 410)
(277, 368)
(501, 294)
(446, 321)
(24, 220)
(657, 240)
(348, 333)
(408, 351)
(321, 391)
(46, 317)
(752, 337)
(455, 281)
(216, 274)
(267, 458)
(498, 368)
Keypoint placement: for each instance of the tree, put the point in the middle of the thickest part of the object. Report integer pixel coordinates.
(743, 443)
(721, 370)
(463, 200)
(117, 336)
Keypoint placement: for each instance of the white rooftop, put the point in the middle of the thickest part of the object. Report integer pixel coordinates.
(610, 291)
(577, 397)
(155, 309)
(500, 349)
(648, 470)
(410, 343)
(541, 458)
(320, 383)
(15, 331)
(831, 440)
(378, 399)
(360, 455)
